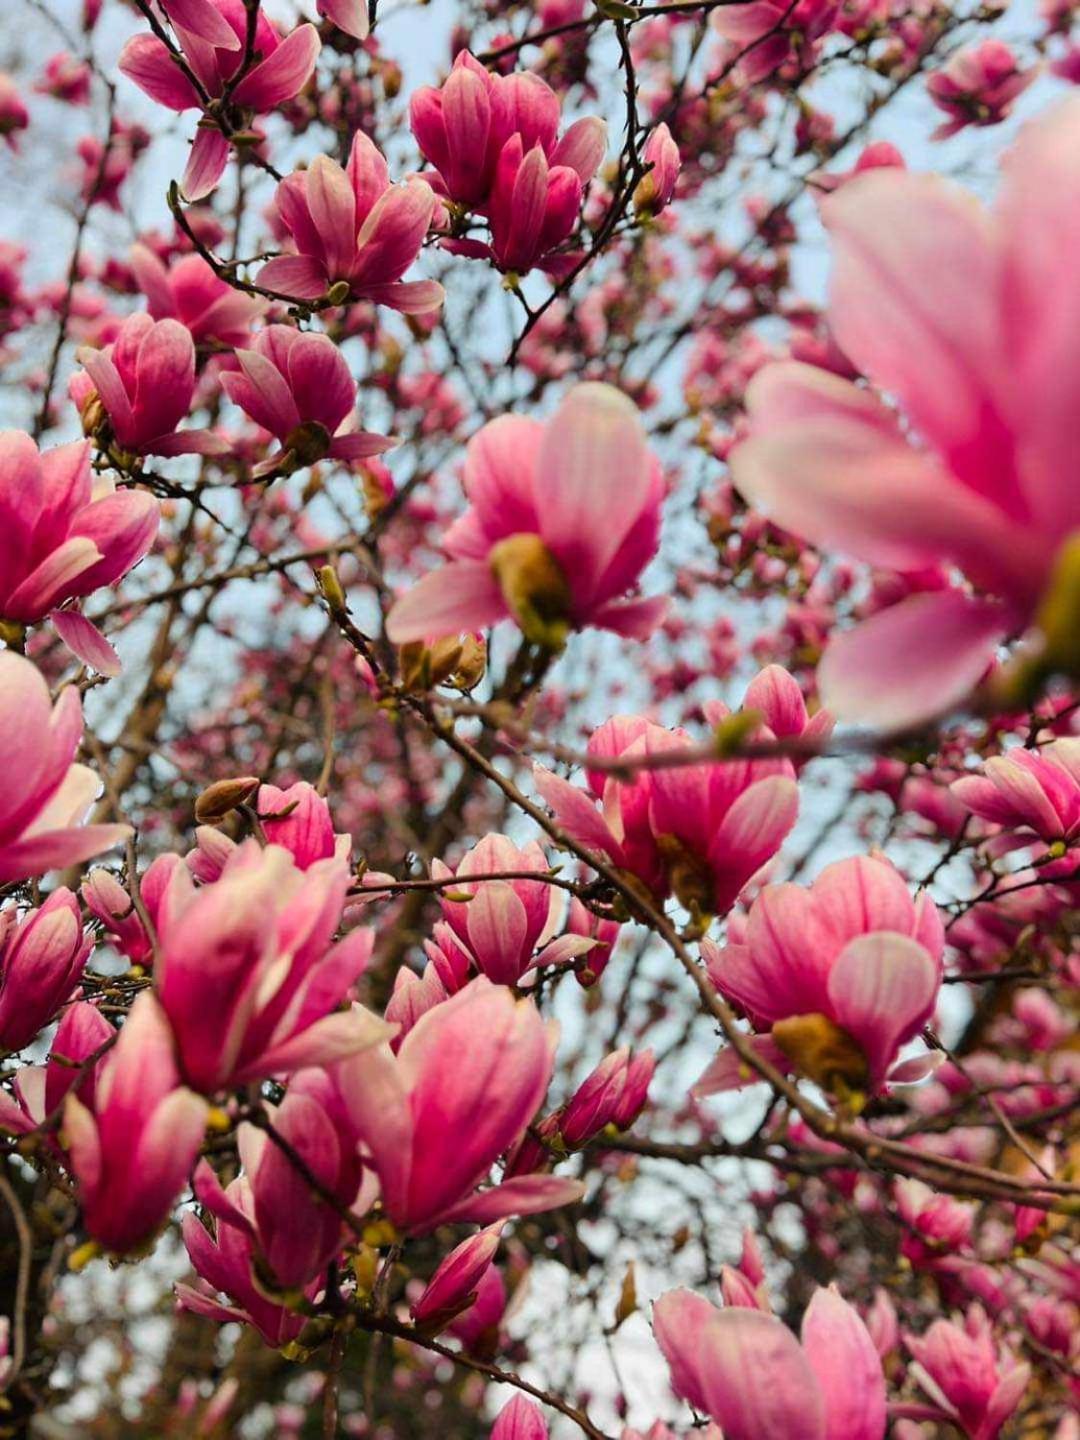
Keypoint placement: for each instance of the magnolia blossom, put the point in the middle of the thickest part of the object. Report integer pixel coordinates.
(211, 35)
(14, 115)
(39, 1091)
(132, 1152)
(563, 518)
(65, 533)
(520, 1419)
(455, 1285)
(766, 34)
(747, 1370)
(977, 352)
(840, 975)
(656, 190)
(247, 975)
(1029, 790)
(352, 227)
(134, 393)
(299, 387)
(45, 795)
(189, 291)
(977, 86)
(958, 1367)
(433, 1118)
(42, 955)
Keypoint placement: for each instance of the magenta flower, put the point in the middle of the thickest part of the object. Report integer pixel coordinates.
(747, 1371)
(45, 797)
(64, 534)
(958, 1367)
(532, 209)
(767, 34)
(977, 86)
(297, 385)
(211, 35)
(520, 1419)
(14, 115)
(455, 1285)
(564, 516)
(135, 392)
(613, 1094)
(1030, 790)
(132, 1152)
(977, 357)
(246, 973)
(112, 905)
(299, 818)
(465, 1083)
(842, 974)
(190, 292)
(656, 190)
(354, 228)
(39, 1090)
(42, 956)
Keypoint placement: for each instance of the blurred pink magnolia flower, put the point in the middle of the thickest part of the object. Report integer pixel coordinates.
(455, 1285)
(564, 516)
(958, 1367)
(613, 1094)
(65, 78)
(520, 1419)
(108, 901)
(977, 86)
(298, 386)
(354, 228)
(464, 127)
(246, 973)
(296, 1232)
(14, 115)
(1030, 790)
(38, 1091)
(979, 355)
(63, 534)
(656, 190)
(467, 1080)
(42, 956)
(351, 16)
(747, 1371)
(765, 34)
(132, 1152)
(841, 974)
(211, 35)
(136, 391)
(189, 291)
(45, 796)
(505, 920)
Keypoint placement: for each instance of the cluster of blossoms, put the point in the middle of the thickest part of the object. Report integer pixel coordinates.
(579, 742)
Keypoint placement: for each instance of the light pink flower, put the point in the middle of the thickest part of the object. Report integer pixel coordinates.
(977, 86)
(63, 534)
(957, 313)
(132, 1152)
(135, 392)
(348, 15)
(656, 190)
(850, 963)
(958, 1367)
(766, 34)
(465, 1083)
(42, 956)
(352, 226)
(247, 975)
(112, 905)
(211, 35)
(298, 386)
(564, 516)
(45, 796)
(1031, 790)
(520, 1419)
(66, 78)
(747, 1370)
(189, 291)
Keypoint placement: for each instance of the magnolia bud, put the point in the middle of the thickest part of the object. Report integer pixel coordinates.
(222, 797)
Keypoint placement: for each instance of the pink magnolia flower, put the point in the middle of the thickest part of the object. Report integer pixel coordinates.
(505, 920)
(564, 516)
(66, 78)
(45, 796)
(108, 901)
(225, 1263)
(533, 208)
(455, 1285)
(465, 1083)
(958, 1367)
(299, 819)
(132, 1152)
(135, 392)
(42, 957)
(82, 1036)
(656, 190)
(478, 1327)
(1031, 790)
(582, 921)
(464, 126)
(977, 355)
(14, 115)
(766, 34)
(298, 386)
(520, 1419)
(211, 35)
(65, 533)
(842, 974)
(246, 973)
(613, 1094)
(296, 1232)
(747, 1371)
(977, 86)
(352, 226)
(936, 1226)
(348, 15)
(190, 292)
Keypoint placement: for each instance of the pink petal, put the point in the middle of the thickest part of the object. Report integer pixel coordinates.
(882, 990)
(85, 641)
(462, 596)
(283, 74)
(206, 163)
(146, 61)
(302, 277)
